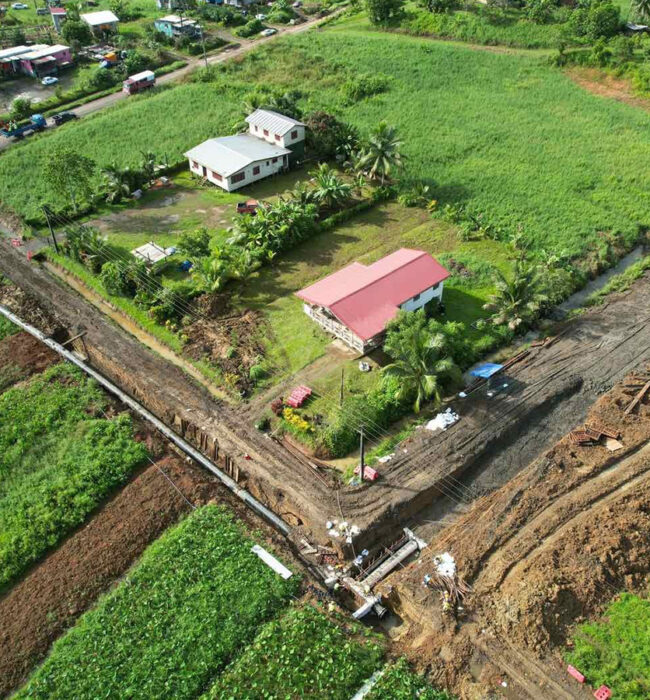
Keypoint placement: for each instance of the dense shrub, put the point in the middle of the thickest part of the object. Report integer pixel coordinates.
(253, 26)
(363, 85)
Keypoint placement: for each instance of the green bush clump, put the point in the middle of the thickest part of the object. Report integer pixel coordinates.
(614, 651)
(179, 617)
(57, 462)
(362, 86)
(253, 26)
(303, 654)
(399, 682)
(7, 328)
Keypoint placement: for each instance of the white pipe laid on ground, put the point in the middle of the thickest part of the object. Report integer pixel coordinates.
(231, 484)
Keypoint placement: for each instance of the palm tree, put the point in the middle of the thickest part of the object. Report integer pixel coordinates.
(148, 166)
(423, 369)
(115, 183)
(329, 189)
(641, 9)
(519, 298)
(381, 154)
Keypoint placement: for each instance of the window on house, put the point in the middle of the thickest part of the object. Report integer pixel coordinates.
(294, 135)
(255, 127)
(256, 170)
(275, 160)
(195, 165)
(435, 286)
(216, 176)
(277, 137)
(266, 133)
(267, 162)
(238, 177)
(416, 297)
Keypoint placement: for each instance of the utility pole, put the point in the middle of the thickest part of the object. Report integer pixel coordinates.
(362, 449)
(205, 55)
(341, 391)
(46, 211)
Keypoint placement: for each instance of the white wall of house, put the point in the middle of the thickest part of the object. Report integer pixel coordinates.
(423, 298)
(295, 135)
(256, 171)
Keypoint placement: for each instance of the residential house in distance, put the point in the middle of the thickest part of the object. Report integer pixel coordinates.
(58, 15)
(270, 146)
(102, 22)
(175, 27)
(169, 5)
(356, 303)
(37, 60)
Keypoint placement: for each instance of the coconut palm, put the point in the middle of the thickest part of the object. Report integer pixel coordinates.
(519, 298)
(115, 183)
(329, 189)
(381, 155)
(423, 368)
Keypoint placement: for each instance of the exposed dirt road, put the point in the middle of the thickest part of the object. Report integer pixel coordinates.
(496, 437)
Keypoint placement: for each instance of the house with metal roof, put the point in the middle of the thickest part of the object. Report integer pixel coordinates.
(231, 162)
(101, 22)
(357, 302)
(176, 27)
(278, 129)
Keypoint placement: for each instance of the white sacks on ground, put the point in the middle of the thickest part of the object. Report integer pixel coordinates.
(445, 565)
(443, 420)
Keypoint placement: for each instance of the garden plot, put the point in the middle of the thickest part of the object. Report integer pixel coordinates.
(196, 597)
(59, 457)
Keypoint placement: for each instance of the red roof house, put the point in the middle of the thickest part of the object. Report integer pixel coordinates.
(357, 302)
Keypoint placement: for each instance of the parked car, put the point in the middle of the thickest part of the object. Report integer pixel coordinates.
(19, 6)
(297, 3)
(63, 117)
(268, 32)
(42, 11)
(49, 80)
(261, 16)
(247, 207)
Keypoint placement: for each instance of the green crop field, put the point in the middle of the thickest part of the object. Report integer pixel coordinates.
(195, 599)
(615, 651)
(505, 135)
(398, 682)
(58, 460)
(303, 654)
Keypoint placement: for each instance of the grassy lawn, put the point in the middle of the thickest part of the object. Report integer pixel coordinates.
(615, 651)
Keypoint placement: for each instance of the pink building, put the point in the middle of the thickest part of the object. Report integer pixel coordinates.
(45, 60)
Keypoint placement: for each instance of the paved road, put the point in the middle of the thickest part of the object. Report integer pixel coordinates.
(245, 47)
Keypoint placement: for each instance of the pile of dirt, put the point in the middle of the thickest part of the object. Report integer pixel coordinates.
(231, 343)
(543, 553)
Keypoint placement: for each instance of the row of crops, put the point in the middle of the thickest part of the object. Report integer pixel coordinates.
(60, 456)
(202, 616)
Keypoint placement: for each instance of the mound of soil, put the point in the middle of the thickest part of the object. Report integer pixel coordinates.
(231, 343)
(26, 353)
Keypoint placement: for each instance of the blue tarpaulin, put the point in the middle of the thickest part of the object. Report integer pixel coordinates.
(486, 371)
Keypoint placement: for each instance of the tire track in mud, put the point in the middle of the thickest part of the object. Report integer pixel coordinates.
(562, 513)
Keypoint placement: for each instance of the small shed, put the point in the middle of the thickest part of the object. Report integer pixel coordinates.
(58, 17)
(152, 253)
(174, 26)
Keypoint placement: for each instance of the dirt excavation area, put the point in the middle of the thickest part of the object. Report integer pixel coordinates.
(546, 551)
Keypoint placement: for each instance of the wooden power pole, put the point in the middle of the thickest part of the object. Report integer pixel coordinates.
(46, 211)
(362, 449)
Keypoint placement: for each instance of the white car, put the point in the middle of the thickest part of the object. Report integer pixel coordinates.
(19, 6)
(268, 32)
(297, 3)
(49, 80)
(261, 16)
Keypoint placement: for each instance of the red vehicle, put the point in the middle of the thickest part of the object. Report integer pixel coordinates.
(139, 82)
(247, 207)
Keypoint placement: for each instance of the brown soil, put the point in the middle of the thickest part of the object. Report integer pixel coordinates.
(232, 343)
(605, 85)
(22, 355)
(544, 552)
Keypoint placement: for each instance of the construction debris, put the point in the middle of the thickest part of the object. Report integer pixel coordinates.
(445, 579)
(443, 420)
(637, 399)
(592, 433)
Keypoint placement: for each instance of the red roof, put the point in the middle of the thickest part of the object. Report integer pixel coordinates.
(366, 297)
(58, 10)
